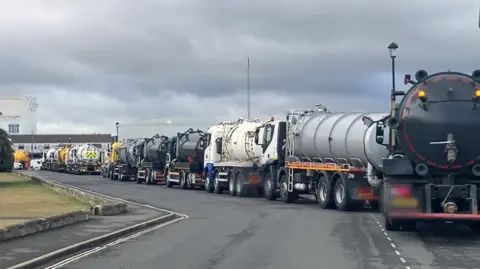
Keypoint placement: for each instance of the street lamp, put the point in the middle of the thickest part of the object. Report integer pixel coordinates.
(116, 125)
(392, 50)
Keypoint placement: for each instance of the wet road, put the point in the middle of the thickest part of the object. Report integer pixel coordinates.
(225, 232)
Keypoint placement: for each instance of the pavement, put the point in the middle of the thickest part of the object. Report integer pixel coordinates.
(224, 232)
(25, 248)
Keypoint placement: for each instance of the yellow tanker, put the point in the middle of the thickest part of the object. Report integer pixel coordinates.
(62, 154)
(114, 152)
(21, 156)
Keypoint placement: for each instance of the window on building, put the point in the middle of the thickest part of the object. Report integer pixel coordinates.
(21, 146)
(14, 128)
(98, 145)
(46, 146)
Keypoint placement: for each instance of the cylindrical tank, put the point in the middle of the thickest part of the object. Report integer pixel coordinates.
(338, 136)
(50, 156)
(87, 152)
(21, 156)
(188, 145)
(71, 153)
(450, 107)
(156, 150)
(238, 142)
(62, 154)
(114, 154)
(125, 153)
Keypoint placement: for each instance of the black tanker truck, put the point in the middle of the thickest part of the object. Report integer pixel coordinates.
(432, 172)
(185, 160)
(150, 159)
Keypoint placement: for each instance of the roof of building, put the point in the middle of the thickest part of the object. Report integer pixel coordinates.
(61, 138)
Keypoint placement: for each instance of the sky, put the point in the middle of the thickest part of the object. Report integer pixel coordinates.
(143, 62)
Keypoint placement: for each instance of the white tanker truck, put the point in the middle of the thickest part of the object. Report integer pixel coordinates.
(49, 159)
(333, 156)
(84, 159)
(231, 158)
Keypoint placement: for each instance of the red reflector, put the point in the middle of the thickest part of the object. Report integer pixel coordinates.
(401, 191)
(189, 159)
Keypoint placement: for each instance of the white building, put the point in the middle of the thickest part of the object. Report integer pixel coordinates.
(18, 114)
(43, 142)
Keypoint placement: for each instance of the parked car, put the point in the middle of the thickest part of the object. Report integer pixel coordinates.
(17, 166)
(36, 164)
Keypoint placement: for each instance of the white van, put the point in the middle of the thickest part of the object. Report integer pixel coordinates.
(35, 164)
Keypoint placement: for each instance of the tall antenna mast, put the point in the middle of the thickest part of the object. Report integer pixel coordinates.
(248, 87)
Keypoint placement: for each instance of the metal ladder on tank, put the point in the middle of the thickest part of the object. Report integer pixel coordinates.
(290, 152)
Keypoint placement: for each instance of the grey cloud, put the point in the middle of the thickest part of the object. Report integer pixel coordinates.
(158, 59)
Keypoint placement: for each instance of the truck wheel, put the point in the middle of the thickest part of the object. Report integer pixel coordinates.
(148, 178)
(341, 194)
(325, 193)
(285, 195)
(188, 179)
(120, 174)
(183, 184)
(138, 180)
(209, 187)
(270, 187)
(232, 184)
(240, 186)
(216, 184)
(167, 179)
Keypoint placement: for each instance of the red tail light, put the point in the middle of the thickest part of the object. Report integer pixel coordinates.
(401, 191)
(189, 159)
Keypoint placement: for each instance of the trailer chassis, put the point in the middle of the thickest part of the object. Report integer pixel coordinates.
(239, 178)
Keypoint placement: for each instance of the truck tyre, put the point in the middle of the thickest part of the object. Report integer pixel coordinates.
(208, 182)
(285, 195)
(270, 187)
(325, 193)
(216, 184)
(167, 179)
(148, 176)
(121, 177)
(232, 186)
(240, 187)
(188, 179)
(341, 194)
(183, 183)
(138, 180)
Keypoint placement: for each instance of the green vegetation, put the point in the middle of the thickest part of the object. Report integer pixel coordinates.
(6, 152)
(22, 199)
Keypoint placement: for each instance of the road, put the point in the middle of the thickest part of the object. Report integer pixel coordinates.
(224, 232)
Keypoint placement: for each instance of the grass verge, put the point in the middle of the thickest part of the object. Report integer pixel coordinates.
(22, 199)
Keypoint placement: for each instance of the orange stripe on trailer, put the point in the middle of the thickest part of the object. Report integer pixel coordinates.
(322, 167)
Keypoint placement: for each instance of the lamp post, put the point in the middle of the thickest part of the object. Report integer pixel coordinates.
(116, 125)
(392, 49)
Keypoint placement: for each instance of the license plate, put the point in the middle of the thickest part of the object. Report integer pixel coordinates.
(404, 202)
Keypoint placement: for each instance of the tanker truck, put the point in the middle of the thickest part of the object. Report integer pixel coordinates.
(432, 171)
(232, 158)
(185, 160)
(22, 157)
(333, 156)
(150, 159)
(59, 159)
(49, 159)
(84, 159)
(124, 167)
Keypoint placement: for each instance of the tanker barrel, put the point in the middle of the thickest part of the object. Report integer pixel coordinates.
(421, 75)
(476, 75)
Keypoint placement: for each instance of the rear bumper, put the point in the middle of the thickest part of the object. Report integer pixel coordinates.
(433, 216)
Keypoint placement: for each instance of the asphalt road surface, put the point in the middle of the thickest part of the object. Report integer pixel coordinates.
(224, 232)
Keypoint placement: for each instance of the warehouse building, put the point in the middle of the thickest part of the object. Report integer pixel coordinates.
(43, 142)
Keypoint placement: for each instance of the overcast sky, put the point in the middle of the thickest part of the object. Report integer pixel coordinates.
(92, 63)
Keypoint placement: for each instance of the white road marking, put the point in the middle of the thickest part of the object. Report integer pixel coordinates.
(120, 240)
(111, 244)
(389, 239)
